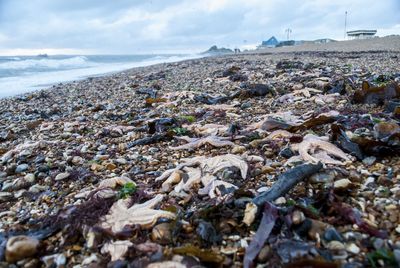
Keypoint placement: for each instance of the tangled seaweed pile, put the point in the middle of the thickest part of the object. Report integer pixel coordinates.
(246, 160)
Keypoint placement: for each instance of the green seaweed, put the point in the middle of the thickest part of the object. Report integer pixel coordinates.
(189, 118)
(180, 131)
(127, 190)
(385, 255)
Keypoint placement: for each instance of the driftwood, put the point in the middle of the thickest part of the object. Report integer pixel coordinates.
(286, 182)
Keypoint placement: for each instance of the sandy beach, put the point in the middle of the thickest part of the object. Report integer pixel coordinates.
(196, 163)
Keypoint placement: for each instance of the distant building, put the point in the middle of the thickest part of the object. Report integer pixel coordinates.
(272, 42)
(324, 41)
(361, 34)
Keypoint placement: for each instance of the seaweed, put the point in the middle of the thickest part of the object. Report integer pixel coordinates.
(270, 215)
(287, 181)
(376, 95)
(127, 190)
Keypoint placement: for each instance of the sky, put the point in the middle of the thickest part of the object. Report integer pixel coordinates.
(175, 26)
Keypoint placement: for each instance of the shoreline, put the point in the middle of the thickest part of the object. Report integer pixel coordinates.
(222, 131)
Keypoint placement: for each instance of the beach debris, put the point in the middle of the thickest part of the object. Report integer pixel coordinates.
(160, 125)
(149, 140)
(20, 247)
(269, 216)
(385, 130)
(116, 249)
(207, 129)
(205, 171)
(194, 143)
(204, 255)
(151, 92)
(290, 122)
(208, 99)
(249, 213)
(286, 181)
(321, 150)
(258, 90)
(376, 95)
(341, 139)
(29, 145)
(120, 215)
(114, 182)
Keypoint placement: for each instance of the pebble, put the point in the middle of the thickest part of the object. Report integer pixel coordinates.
(369, 161)
(286, 152)
(37, 188)
(298, 217)
(55, 260)
(21, 168)
(238, 149)
(5, 196)
(30, 178)
(280, 201)
(335, 245)
(62, 176)
(353, 248)
(378, 243)
(265, 254)
(396, 253)
(20, 247)
(332, 234)
(342, 183)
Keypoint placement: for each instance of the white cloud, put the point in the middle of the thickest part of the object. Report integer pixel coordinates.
(126, 26)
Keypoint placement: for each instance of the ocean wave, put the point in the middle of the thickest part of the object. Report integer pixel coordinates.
(40, 63)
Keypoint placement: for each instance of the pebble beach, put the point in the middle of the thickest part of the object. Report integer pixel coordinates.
(285, 157)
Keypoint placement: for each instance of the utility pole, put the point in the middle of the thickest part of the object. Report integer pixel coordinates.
(345, 25)
(288, 31)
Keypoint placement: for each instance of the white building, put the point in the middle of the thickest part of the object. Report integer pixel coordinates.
(361, 34)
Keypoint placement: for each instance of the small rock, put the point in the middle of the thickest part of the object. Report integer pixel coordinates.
(62, 176)
(332, 234)
(77, 160)
(265, 254)
(317, 229)
(322, 177)
(369, 161)
(378, 243)
(396, 253)
(20, 247)
(298, 217)
(238, 149)
(55, 260)
(250, 213)
(30, 178)
(286, 152)
(335, 245)
(342, 183)
(280, 201)
(37, 188)
(245, 105)
(5, 196)
(161, 233)
(352, 248)
(21, 168)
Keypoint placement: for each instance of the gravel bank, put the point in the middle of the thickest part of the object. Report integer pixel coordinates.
(176, 165)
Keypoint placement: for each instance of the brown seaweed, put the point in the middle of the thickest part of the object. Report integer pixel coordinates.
(376, 95)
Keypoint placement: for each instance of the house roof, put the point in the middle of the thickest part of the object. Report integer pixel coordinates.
(271, 41)
(357, 32)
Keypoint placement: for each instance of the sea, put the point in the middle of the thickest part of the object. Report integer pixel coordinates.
(21, 74)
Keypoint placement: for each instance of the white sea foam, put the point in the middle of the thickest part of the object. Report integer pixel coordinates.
(74, 62)
(10, 86)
